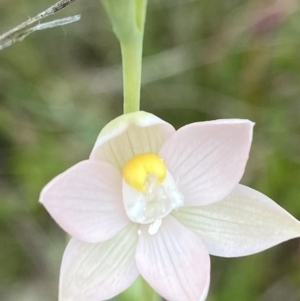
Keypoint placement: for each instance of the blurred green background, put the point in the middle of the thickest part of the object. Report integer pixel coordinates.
(202, 60)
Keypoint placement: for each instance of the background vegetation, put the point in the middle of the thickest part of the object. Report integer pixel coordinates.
(203, 60)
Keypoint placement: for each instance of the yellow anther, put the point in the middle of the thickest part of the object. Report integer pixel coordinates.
(138, 168)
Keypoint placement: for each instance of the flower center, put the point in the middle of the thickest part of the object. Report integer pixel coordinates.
(149, 190)
(137, 170)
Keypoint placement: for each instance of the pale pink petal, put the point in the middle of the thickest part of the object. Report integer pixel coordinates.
(244, 223)
(86, 201)
(174, 261)
(95, 272)
(130, 135)
(208, 159)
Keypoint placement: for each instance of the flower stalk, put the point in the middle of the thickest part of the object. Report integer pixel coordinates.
(128, 20)
(132, 67)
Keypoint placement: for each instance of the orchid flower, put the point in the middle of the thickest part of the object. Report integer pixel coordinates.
(156, 202)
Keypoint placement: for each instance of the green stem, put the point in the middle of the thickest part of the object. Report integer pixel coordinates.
(128, 20)
(132, 70)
